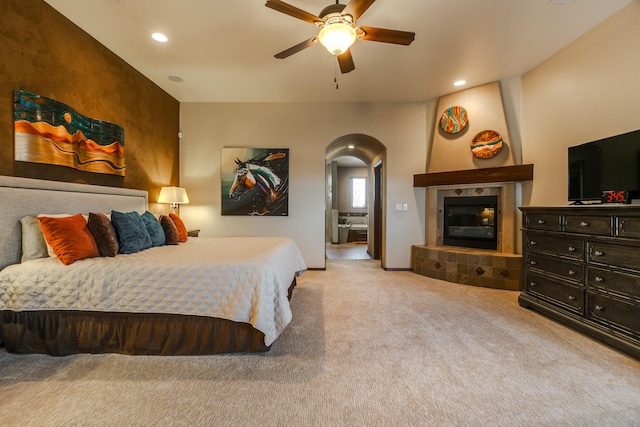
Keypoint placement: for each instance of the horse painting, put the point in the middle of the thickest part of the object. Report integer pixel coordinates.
(260, 186)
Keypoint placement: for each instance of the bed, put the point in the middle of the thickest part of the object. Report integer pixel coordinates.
(203, 296)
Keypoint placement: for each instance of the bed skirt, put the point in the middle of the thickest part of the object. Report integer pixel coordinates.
(61, 333)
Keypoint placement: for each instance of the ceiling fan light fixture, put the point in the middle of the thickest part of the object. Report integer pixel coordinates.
(338, 30)
(337, 37)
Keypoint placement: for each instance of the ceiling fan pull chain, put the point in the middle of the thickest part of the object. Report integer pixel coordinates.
(335, 73)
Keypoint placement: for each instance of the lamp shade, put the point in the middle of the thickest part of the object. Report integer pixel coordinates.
(337, 37)
(173, 195)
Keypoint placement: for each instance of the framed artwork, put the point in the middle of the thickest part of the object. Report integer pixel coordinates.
(50, 132)
(255, 181)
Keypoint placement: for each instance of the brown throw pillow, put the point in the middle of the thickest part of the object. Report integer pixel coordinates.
(182, 230)
(104, 234)
(170, 230)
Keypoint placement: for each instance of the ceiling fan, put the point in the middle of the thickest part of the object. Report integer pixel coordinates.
(338, 30)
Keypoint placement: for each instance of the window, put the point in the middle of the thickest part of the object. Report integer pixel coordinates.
(358, 192)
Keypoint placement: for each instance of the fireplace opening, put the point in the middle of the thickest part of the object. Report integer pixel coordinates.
(471, 222)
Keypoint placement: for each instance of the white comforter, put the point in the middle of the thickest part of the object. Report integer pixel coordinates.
(244, 279)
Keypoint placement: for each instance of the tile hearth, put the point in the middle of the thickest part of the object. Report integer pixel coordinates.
(473, 267)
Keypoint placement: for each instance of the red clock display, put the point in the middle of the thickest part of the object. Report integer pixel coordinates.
(617, 196)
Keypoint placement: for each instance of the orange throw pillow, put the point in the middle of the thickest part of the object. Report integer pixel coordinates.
(182, 230)
(69, 238)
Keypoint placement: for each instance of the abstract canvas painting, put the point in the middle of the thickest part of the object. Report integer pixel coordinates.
(50, 132)
(255, 181)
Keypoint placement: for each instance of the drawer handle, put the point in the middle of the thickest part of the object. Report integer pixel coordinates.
(532, 284)
(541, 221)
(532, 262)
(572, 272)
(572, 249)
(572, 298)
(584, 224)
(599, 308)
(532, 242)
(598, 253)
(599, 279)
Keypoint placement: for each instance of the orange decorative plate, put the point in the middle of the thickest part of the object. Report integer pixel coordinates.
(454, 119)
(486, 144)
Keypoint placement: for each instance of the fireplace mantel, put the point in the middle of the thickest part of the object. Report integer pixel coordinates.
(475, 176)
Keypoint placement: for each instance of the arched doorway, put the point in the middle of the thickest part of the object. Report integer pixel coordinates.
(370, 153)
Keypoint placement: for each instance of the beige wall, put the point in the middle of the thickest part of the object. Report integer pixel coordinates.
(42, 52)
(306, 129)
(587, 91)
(485, 111)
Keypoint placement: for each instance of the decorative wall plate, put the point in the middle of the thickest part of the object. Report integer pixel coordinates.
(454, 119)
(486, 144)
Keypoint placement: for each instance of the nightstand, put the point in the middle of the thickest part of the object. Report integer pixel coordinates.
(193, 233)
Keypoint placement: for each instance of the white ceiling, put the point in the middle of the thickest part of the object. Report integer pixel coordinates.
(223, 50)
(349, 161)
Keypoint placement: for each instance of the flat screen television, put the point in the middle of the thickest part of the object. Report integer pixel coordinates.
(608, 164)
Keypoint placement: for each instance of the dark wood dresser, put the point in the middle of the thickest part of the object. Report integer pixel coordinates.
(581, 266)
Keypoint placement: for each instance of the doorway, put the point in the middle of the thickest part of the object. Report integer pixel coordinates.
(354, 192)
(349, 199)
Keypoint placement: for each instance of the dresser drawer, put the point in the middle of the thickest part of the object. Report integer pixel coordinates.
(556, 291)
(626, 285)
(614, 255)
(595, 225)
(569, 270)
(628, 226)
(542, 222)
(559, 245)
(614, 313)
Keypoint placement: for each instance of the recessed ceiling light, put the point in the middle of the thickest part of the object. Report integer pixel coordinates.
(459, 82)
(351, 146)
(159, 37)
(176, 79)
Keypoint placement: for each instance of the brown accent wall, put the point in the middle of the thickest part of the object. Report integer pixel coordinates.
(43, 52)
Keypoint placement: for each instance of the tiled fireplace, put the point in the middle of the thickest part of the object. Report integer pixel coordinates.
(450, 260)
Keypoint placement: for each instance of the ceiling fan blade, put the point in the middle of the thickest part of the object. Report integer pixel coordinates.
(346, 62)
(297, 48)
(387, 36)
(287, 9)
(356, 8)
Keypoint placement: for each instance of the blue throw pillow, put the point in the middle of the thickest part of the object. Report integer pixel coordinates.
(132, 233)
(154, 228)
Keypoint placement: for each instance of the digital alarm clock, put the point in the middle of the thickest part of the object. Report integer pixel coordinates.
(615, 196)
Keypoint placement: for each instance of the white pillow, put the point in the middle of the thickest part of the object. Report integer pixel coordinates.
(33, 244)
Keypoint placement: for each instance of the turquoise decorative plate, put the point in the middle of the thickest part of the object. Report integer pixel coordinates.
(486, 144)
(454, 119)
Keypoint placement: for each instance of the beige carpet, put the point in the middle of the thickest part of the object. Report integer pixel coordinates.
(366, 347)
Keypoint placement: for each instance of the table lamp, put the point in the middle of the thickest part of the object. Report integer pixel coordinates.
(174, 196)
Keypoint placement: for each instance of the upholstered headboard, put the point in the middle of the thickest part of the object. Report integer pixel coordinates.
(23, 196)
